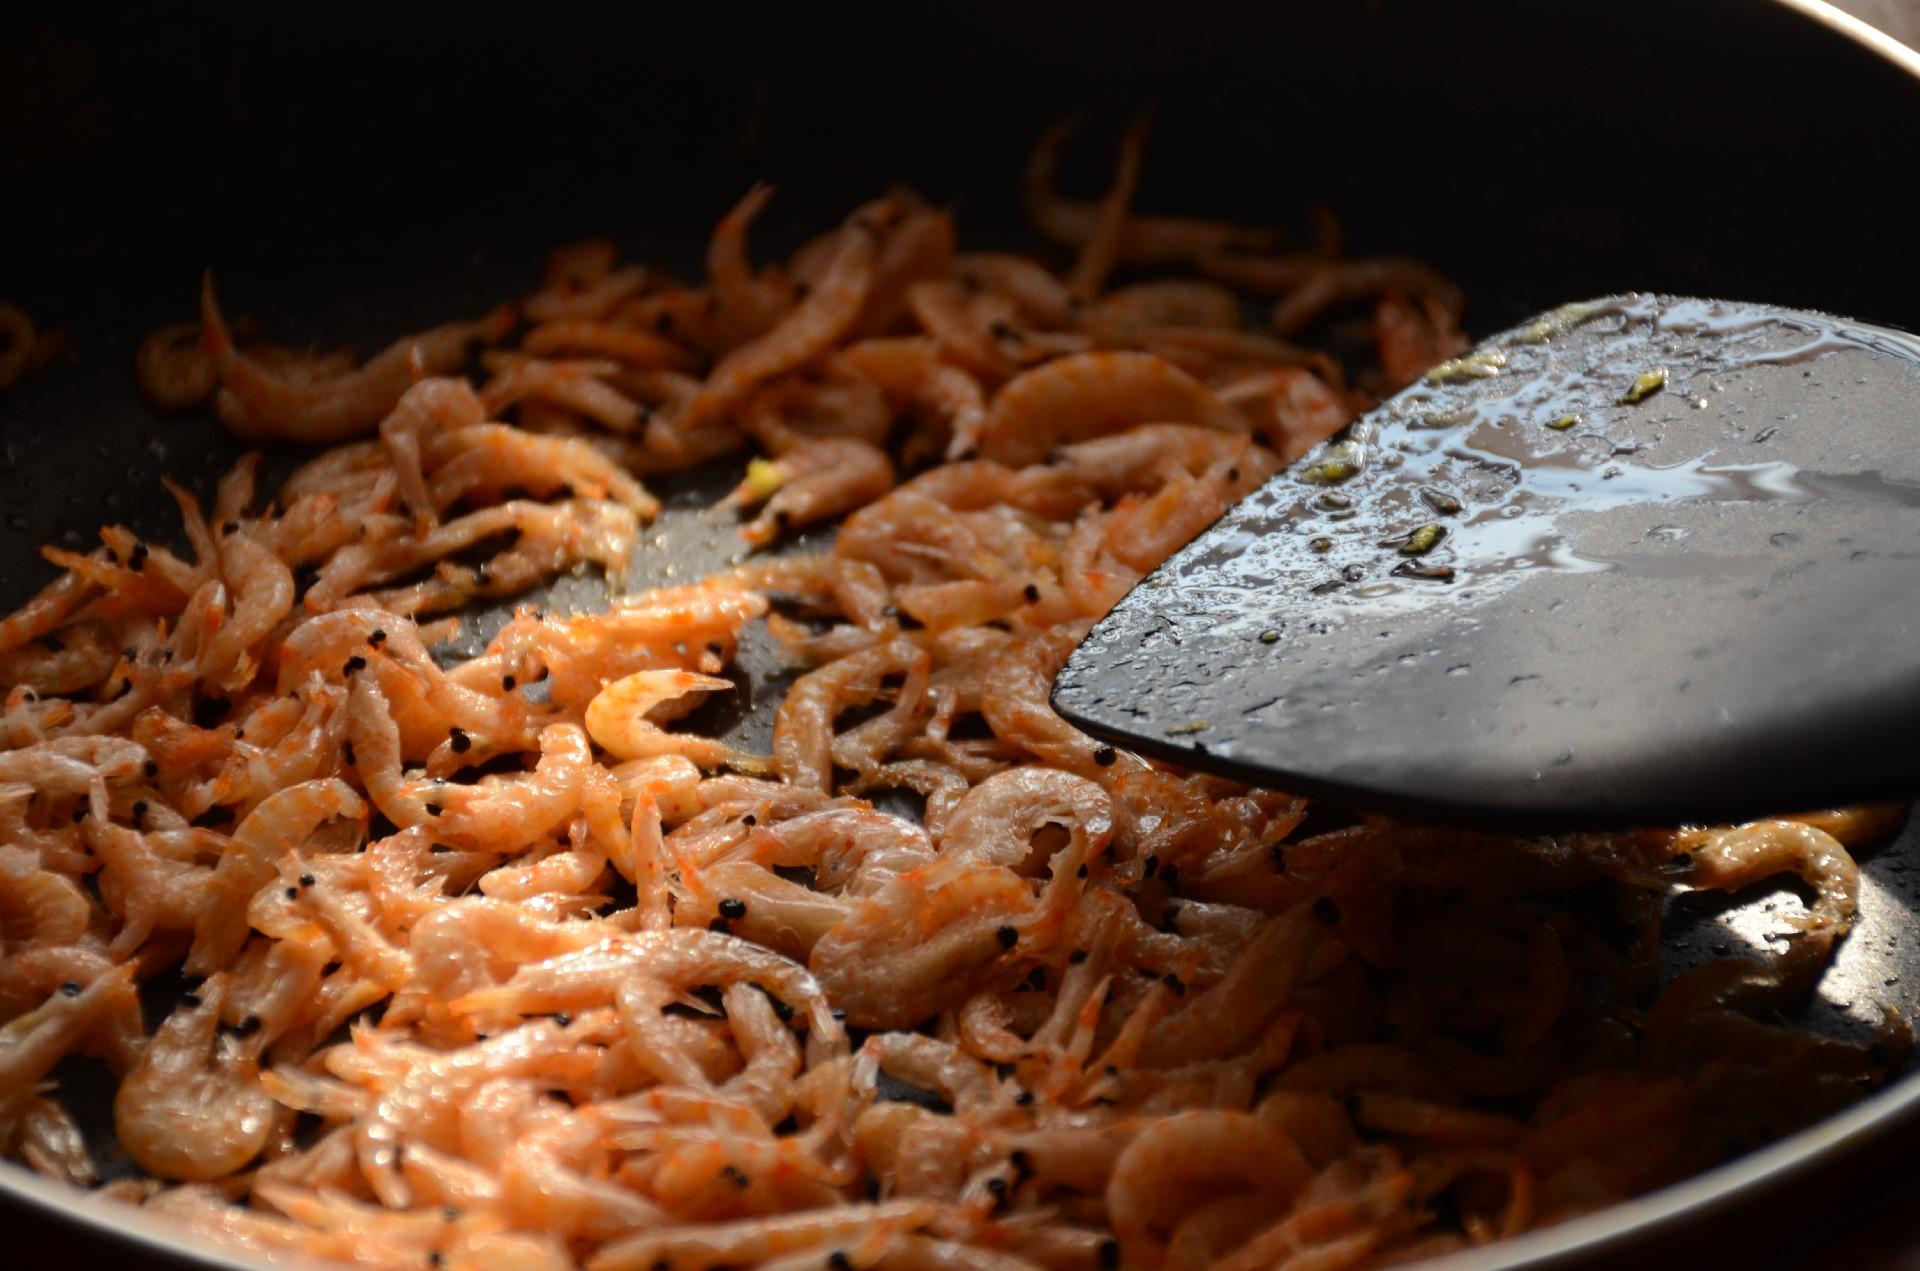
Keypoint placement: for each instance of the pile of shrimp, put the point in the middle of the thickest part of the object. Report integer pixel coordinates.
(410, 961)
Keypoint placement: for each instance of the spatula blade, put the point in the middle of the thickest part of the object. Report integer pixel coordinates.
(1641, 560)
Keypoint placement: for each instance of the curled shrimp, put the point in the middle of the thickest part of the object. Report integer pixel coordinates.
(260, 404)
(1180, 1160)
(173, 369)
(996, 823)
(1087, 394)
(193, 1108)
(924, 942)
(617, 717)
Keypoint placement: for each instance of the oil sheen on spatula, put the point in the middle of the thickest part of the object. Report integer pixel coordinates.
(1639, 560)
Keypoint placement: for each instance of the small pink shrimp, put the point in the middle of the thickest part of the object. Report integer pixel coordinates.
(803, 737)
(592, 338)
(617, 717)
(1147, 240)
(172, 368)
(437, 405)
(193, 1109)
(258, 404)
(1180, 1160)
(281, 823)
(920, 246)
(924, 942)
(1102, 248)
(753, 1241)
(1087, 394)
(815, 481)
(1292, 409)
(814, 326)
(750, 304)
(996, 823)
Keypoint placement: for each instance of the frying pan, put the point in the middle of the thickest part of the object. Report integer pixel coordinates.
(356, 172)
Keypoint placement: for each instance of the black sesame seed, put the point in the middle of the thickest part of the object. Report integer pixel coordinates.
(1008, 937)
(71, 988)
(459, 740)
(1326, 910)
(733, 908)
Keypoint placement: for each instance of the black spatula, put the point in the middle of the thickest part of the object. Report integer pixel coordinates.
(1640, 560)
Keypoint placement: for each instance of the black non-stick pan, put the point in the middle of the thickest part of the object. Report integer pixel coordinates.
(353, 172)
